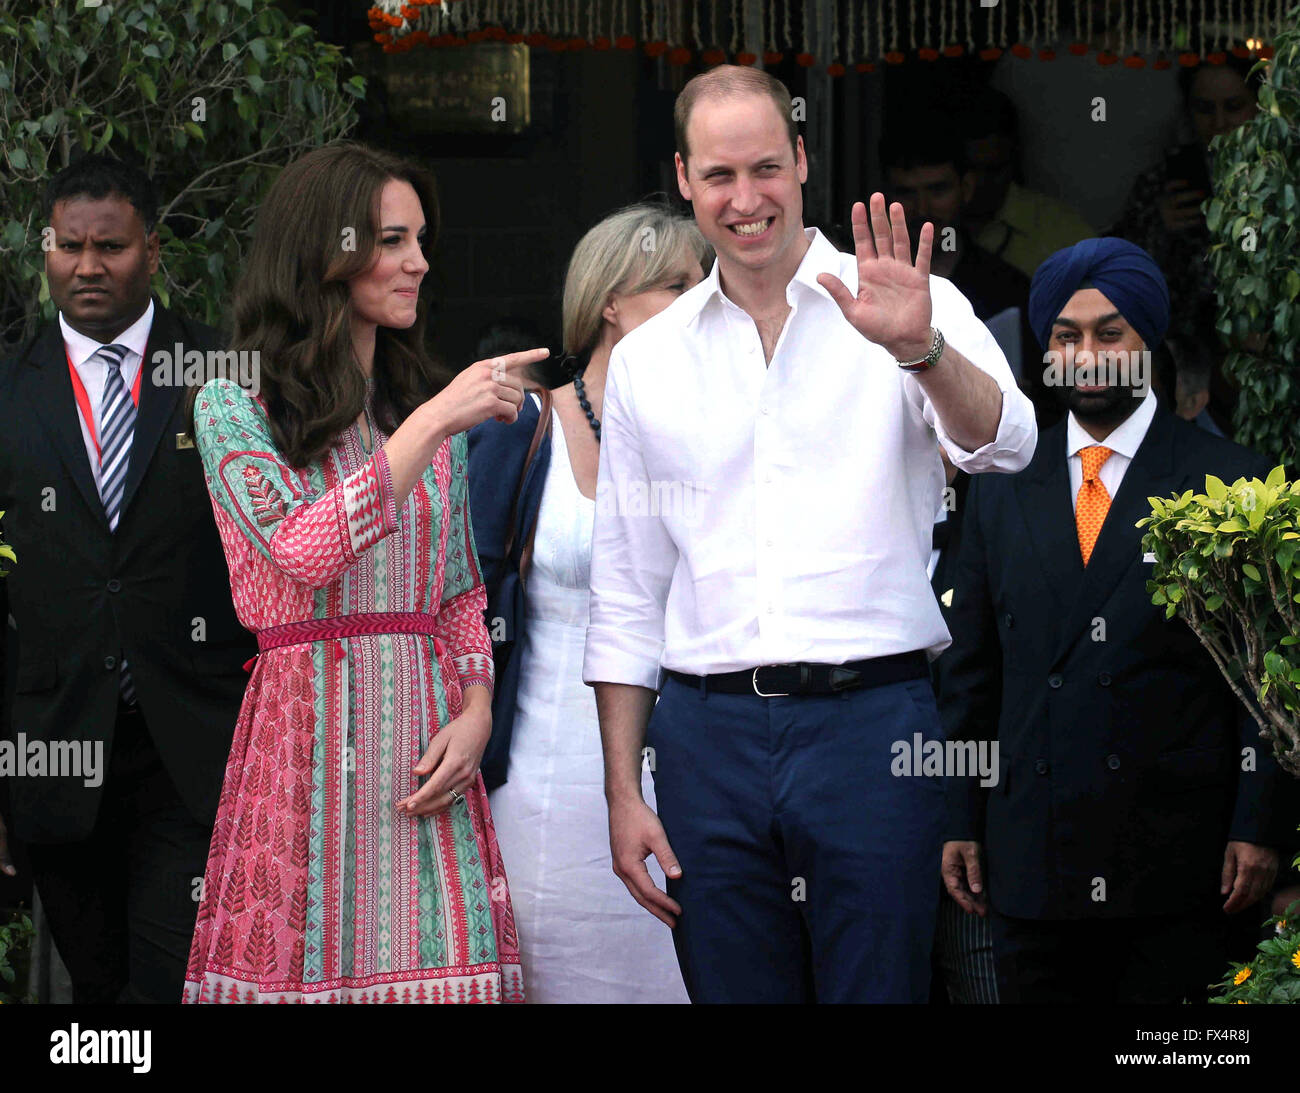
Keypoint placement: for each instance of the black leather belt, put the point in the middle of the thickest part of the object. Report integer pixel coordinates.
(780, 680)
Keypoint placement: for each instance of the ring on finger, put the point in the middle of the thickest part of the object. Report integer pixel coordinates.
(456, 795)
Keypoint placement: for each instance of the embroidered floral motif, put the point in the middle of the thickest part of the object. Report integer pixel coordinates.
(268, 505)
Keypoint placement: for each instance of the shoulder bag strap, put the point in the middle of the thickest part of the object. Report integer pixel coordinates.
(543, 428)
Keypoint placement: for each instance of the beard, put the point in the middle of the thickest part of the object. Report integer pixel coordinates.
(1107, 408)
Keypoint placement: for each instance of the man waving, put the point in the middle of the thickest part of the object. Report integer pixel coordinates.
(795, 401)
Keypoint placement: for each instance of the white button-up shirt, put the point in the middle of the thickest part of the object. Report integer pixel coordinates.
(753, 515)
(1123, 441)
(93, 372)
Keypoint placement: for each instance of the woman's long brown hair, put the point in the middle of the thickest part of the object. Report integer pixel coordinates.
(317, 228)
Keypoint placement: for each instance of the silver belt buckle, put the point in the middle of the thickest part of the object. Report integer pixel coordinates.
(764, 694)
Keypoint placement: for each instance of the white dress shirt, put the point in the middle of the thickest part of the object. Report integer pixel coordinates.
(790, 507)
(94, 372)
(1123, 441)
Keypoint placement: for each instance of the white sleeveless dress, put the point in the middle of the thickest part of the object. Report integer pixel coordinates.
(582, 936)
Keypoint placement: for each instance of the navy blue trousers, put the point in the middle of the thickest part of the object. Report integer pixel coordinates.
(808, 868)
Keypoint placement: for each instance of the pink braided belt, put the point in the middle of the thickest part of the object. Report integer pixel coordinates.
(350, 626)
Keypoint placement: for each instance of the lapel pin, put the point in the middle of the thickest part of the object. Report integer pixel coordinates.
(184, 440)
(946, 598)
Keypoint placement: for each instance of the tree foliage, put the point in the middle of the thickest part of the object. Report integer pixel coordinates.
(209, 97)
(1254, 218)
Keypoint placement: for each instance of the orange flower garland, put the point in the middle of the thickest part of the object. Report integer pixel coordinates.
(401, 25)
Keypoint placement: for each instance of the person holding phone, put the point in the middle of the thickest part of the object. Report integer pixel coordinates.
(354, 857)
(1165, 212)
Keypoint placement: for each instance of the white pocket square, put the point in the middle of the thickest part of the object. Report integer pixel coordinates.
(1148, 557)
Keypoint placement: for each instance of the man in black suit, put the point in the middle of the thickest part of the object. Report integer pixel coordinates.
(1134, 803)
(963, 947)
(123, 657)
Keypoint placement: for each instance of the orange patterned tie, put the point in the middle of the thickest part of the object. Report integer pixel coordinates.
(1094, 501)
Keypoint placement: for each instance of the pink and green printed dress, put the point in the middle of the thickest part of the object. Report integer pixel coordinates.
(370, 622)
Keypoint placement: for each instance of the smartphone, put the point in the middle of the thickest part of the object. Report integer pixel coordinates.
(1188, 164)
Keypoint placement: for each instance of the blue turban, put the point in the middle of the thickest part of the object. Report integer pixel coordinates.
(1122, 271)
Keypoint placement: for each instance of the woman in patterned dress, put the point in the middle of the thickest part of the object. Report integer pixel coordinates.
(339, 490)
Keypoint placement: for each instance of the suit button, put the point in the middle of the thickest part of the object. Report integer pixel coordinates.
(114, 585)
(1055, 680)
(1009, 620)
(1040, 766)
(1112, 761)
(1104, 679)
(110, 663)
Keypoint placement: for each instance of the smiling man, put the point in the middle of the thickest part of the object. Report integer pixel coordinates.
(122, 631)
(1135, 805)
(799, 395)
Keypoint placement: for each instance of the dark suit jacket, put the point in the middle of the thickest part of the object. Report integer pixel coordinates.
(82, 597)
(1119, 750)
(496, 464)
(947, 540)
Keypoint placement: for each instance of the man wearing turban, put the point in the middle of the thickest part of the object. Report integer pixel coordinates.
(1122, 830)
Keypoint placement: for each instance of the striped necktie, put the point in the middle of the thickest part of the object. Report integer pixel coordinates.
(116, 428)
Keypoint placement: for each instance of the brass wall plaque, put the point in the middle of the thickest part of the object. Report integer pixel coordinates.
(481, 88)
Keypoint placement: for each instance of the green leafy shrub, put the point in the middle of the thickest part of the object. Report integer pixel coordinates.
(6, 551)
(1226, 562)
(15, 956)
(1254, 218)
(210, 97)
(1274, 975)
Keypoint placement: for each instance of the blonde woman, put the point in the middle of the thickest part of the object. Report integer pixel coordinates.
(533, 499)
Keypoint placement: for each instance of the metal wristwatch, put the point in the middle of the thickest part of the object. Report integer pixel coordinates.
(930, 359)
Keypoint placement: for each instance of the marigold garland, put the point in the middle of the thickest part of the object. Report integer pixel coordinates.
(912, 25)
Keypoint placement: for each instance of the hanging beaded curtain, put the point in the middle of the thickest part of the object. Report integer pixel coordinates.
(854, 34)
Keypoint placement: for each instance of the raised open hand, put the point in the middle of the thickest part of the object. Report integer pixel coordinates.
(892, 307)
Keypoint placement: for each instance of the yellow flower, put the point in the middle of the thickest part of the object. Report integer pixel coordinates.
(1241, 1002)
(1295, 959)
(1241, 976)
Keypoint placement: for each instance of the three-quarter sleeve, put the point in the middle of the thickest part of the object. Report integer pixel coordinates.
(309, 539)
(464, 597)
(1012, 447)
(632, 554)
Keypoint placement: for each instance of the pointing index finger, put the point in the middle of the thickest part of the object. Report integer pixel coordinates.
(517, 362)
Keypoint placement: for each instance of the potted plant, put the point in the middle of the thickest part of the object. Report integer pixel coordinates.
(1228, 562)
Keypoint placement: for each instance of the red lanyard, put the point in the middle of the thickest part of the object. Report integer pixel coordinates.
(83, 400)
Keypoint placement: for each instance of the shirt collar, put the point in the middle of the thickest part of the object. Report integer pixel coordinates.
(1124, 439)
(81, 348)
(820, 257)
